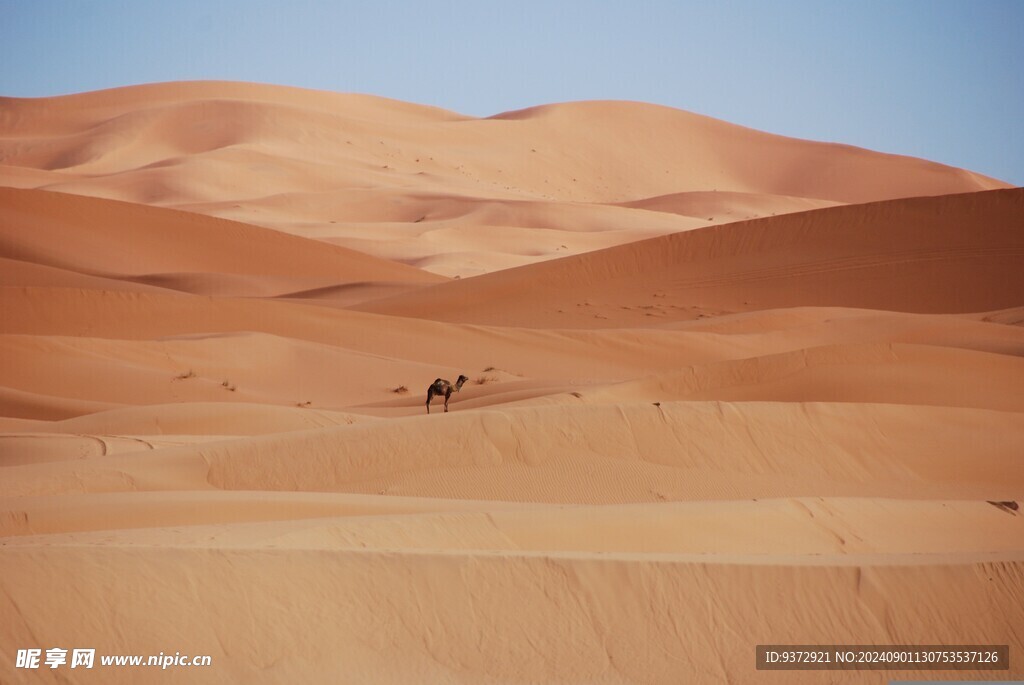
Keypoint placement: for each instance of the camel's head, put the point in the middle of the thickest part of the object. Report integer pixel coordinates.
(462, 379)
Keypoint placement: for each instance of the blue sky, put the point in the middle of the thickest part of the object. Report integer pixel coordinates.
(939, 79)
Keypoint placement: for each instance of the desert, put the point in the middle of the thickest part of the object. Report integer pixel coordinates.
(725, 388)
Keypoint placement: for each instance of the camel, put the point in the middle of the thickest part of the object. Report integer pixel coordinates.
(443, 387)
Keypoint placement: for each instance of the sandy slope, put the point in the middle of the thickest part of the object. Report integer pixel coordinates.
(178, 250)
(442, 617)
(801, 428)
(452, 194)
(909, 255)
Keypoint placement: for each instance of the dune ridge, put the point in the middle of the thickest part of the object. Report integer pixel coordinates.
(341, 168)
(181, 251)
(908, 255)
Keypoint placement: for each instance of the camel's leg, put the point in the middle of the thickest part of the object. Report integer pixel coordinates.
(447, 395)
(430, 396)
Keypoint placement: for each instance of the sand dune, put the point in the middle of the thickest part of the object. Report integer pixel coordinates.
(342, 167)
(177, 250)
(725, 388)
(722, 206)
(21, 404)
(197, 418)
(892, 373)
(844, 529)
(398, 617)
(906, 255)
(630, 453)
(283, 354)
(21, 273)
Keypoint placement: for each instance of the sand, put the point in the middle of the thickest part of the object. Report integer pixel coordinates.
(726, 389)
(453, 195)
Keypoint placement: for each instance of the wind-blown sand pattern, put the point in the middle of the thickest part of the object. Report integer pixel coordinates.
(726, 389)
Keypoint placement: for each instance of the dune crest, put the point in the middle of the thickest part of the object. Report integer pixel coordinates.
(907, 255)
(391, 178)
